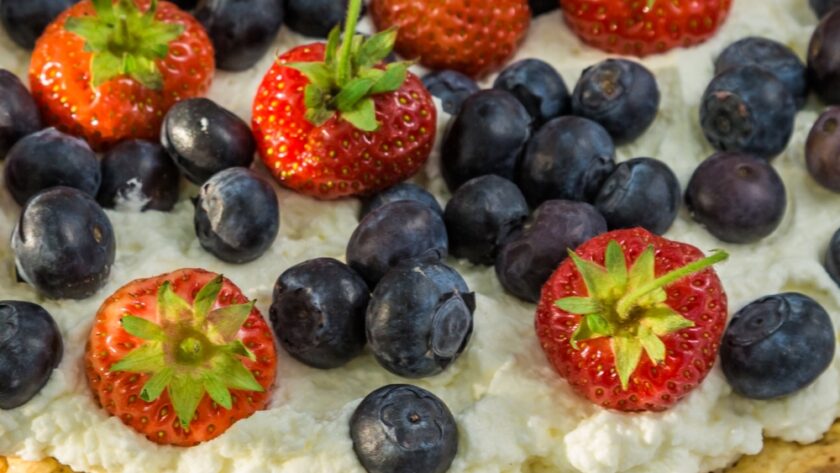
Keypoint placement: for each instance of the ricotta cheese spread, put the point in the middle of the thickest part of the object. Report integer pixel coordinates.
(514, 413)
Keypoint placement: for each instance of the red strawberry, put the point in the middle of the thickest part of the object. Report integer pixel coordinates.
(333, 121)
(636, 339)
(646, 26)
(468, 36)
(110, 71)
(158, 345)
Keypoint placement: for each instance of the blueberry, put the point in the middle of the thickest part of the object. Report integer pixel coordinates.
(25, 20)
(772, 56)
(204, 138)
(487, 136)
(237, 216)
(18, 113)
(64, 244)
(538, 86)
(641, 192)
(50, 158)
(739, 198)
(318, 312)
(138, 175)
(185, 4)
(315, 18)
(481, 217)
(420, 318)
(525, 263)
(824, 58)
(621, 95)
(399, 192)
(241, 30)
(823, 7)
(747, 109)
(30, 348)
(776, 346)
(822, 150)
(569, 158)
(832, 258)
(451, 87)
(539, 7)
(403, 428)
(393, 233)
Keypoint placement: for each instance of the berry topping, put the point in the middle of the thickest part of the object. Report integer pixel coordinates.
(482, 216)
(33, 165)
(822, 150)
(30, 348)
(180, 357)
(204, 138)
(241, 31)
(824, 59)
(620, 95)
(451, 87)
(237, 216)
(739, 198)
(420, 318)
(19, 112)
(318, 312)
(538, 86)
(395, 232)
(316, 18)
(569, 158)
(777, 346)
(400, 192)
(138, 175)
(25, 20)
(403, 428)
(832, 258)
(525, 263)
(633, 321)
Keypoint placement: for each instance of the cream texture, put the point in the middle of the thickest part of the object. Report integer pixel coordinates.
(514, 413)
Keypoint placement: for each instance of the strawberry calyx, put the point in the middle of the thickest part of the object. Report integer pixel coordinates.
(628, 305)
(351, 74)
(193, 350)
(125, 41)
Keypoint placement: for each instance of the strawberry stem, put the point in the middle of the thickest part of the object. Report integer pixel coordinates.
(346, 53)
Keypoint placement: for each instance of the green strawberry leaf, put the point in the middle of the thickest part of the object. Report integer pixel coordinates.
(664, 320)
(225, 322)
(238, 348)
(616, 265)
(394, 77)
(206, 298)
(333, 42)
(236, 375)
(628, 352)
(171, 307)
(652, 344)
(185, 394)
(142, 328)
(376, 48)
(156, 384)
(317, 72)
(349, 97)
(591, 326)
(594, 276)
(217, 390)
(579, 305)
(148, 358)
(363, 116)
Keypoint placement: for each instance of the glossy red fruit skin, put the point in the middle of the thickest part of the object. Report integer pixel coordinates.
(336, 159)
(633, 28)
(467, 36)
(119, 392)
(120, 109)
(690, 353)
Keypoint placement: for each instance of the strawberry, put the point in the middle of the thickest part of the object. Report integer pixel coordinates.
(472, 37)
(333, 121)
(108, 72)
(644, 27)
(180, 357)
(636, 339)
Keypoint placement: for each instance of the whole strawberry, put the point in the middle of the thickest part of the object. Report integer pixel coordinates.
(108, 71)
(633, 321)
(469, 36)
(180, 357)
(333, 120)
(644, 27)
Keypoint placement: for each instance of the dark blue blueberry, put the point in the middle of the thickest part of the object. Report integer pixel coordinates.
(30, 348)
(771, 55)
(403, 428)
(487, 136)
(399, 192)
(204, 138)
(420, 318)
(318, 312)
(777, 346)
(138, 175)
(641, 192)
(185, 4)
(747, 109)
(64, 244)
(451, 87)
(832, 258)
(569, 158)
(18, 113)
(539, 7)
(824, 58)
(316, 18)
(481, 217)
(25, 20)
(822, 149)
(538, 86)
(241, 30)
(823, 7)
(739, 198)
(50, 158)
(621, 95)
(237, 216)
(526, 262)
(393, 233)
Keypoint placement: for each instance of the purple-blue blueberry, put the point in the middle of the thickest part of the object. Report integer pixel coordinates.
(241, 31)
(824, 58)
(19, 114)
(451, 87)
(138, 175)
(315, 18)
(25, 20)
(400, 192)
(538, 86)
